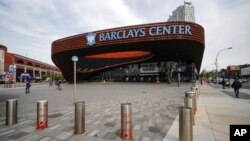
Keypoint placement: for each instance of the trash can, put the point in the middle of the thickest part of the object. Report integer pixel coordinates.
(42, 114)
(11, 111)
(79, 117)
(126, 121)
(185, 124)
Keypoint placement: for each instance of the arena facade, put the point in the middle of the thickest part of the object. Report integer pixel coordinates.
(147, 52)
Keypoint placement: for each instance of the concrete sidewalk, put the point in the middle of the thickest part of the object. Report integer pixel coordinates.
(216, 111)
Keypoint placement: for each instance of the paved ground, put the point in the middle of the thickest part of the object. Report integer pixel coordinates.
(155, 107)
(217, 110)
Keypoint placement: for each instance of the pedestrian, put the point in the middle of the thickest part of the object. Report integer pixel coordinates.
(201, 81)
(236, 86)
(58, 85)
(223, 82)
(27, 88)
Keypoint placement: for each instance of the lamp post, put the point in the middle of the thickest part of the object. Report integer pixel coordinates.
(74, 59)
(205, 69)
(216, 63)
(179, 75)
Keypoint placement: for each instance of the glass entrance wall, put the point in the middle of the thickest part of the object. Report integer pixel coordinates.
(150, 72)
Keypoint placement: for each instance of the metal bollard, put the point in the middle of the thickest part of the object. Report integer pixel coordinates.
(185, 124)
(197, 88)
(42, 114)
(188, 102)
(11, 111)
(196, 94)
(126, 121)
(79, 117)
(193, 93)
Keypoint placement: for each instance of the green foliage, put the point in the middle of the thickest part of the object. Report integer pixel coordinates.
(206, 74)
(57, 76)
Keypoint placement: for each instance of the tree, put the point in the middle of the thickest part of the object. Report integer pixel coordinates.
(169, 69)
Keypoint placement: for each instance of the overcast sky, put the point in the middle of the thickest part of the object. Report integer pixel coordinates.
(28, 27)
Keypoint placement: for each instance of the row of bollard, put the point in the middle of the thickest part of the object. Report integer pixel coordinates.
(42, 113)
(42, 116)
(187, 114)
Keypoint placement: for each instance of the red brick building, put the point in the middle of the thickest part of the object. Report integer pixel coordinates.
(24, 65)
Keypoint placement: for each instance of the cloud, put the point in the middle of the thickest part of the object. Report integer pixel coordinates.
(225, 25)
(32, 25)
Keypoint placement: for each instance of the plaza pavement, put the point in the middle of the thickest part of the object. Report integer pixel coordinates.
(217, 110)
(155, 112)
(154, 108)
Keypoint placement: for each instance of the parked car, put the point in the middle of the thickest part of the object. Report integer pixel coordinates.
(243, 80)
(229, 82)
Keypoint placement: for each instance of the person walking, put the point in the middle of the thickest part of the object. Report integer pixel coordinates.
(27, 88)
(236, 86)
(201, 81)
(59, 85)
(223, 83)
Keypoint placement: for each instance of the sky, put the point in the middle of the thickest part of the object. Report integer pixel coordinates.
(28, 27)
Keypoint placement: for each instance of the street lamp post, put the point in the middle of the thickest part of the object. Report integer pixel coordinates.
(179, 75)
(216, 63)
(74, 59)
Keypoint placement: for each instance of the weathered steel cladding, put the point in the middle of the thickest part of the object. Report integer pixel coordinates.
(79, 41)
(164, 47)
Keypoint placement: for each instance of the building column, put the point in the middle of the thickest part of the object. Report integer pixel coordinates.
(54, 74)
(40, 71)
(25, 69)
(14, 79)
(34, 72)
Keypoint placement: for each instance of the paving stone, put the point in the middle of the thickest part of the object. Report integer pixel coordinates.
(67, 129)
(56, 115)
(28, 129)
(7, 132)
(94, 133)
(97, 122)
(110, 136)
(64, 135)
(145, 139)
(154, 129)
(44, 139)
(54, 127)
(110, 124)
(18, 135)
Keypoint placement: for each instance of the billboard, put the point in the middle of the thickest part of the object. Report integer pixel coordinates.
(245, 71)
(11, 69)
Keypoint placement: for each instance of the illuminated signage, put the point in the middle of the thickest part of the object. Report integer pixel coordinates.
(141, 32)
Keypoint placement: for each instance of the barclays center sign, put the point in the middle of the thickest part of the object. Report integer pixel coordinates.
(139, 32)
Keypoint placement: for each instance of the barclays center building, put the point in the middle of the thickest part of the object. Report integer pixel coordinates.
(147, 52)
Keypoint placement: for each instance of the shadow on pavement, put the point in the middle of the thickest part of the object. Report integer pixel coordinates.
(241, 94)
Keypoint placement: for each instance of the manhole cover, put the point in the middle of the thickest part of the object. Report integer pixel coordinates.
(55, 115)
